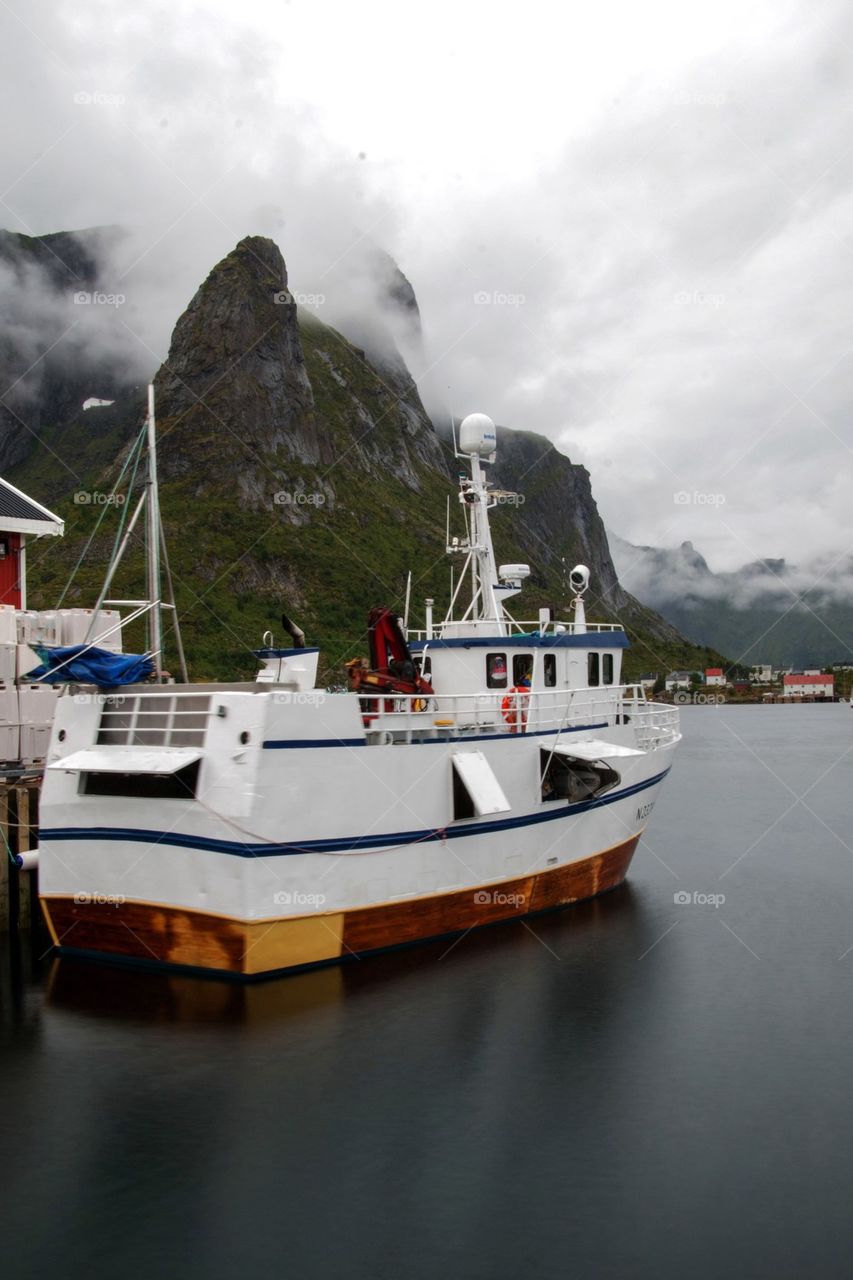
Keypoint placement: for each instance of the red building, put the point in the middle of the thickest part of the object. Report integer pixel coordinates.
(20, 518)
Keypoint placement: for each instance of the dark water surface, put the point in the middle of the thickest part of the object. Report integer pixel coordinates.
(633, 1087)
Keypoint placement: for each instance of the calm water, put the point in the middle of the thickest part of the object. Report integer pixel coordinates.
(635, 1087)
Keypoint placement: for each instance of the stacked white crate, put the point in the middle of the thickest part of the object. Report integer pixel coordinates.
(37, 705)
(74, 625)
(8, 643)
(29, 631)
(27, 710)
(38, 627)
(9, 717)
(10, 727)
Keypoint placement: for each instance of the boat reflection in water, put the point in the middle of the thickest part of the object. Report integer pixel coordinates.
(123, 992)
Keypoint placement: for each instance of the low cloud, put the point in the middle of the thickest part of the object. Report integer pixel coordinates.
(656, 275)
(659, 576)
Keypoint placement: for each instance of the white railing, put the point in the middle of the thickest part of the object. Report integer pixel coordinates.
(462, 630)
(391, 718)
(655, 724)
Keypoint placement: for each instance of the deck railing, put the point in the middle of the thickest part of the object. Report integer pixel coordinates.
(413, 718)
(520, 628)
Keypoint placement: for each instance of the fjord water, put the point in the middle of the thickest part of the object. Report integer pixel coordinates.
(638, 1086)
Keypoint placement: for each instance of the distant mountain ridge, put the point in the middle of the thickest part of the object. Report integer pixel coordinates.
(766, 611)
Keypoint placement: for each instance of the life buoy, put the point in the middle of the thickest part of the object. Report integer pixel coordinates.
(514, 708)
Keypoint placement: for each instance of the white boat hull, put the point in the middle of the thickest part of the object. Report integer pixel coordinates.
(311, 855)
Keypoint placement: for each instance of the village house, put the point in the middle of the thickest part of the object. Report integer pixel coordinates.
(678, 680)
(761, 673)
(714, 675)
(812, 684)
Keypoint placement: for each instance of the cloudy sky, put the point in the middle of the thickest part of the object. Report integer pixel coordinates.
(628, 226)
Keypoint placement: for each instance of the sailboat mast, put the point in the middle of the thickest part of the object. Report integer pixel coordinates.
(155, 626)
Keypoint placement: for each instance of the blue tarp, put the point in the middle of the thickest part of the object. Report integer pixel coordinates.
(88, 665)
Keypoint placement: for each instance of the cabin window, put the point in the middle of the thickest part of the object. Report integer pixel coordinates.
(607, 668)
(522, 669)
(592, 667)
(549, 670)
(180, 785)
(566, 778)
(496, 671)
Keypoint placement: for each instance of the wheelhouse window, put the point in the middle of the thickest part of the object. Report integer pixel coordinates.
(522, 669)
(593, 670)
(549, 670)
(607, 668)
(496, 670)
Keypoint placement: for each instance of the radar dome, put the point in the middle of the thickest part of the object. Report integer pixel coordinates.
(477, 434)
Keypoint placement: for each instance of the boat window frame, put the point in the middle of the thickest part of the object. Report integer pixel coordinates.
(522, 667)
(593, 669)
(491, 682)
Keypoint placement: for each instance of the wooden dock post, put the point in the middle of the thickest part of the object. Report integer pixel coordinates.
(18, 821)
(25, 878)
(6, 868)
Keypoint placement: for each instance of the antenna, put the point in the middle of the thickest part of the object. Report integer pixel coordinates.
(408, 598)
(456, 452)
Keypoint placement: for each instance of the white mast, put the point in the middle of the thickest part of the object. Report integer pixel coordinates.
(490, 584)
(485, 601)
(152, 513)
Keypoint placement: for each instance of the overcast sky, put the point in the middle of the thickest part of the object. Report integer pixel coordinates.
(655, 202)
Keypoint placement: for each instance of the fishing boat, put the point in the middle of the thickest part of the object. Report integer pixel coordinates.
(480, 769)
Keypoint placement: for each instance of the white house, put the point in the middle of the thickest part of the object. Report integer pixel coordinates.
(808, 685)
(677, 680)
(714, 675)
(761, 673)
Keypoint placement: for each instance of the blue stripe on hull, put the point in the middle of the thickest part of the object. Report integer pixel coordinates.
(245, 850)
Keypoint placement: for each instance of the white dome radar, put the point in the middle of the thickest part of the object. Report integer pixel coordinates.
(477, 434)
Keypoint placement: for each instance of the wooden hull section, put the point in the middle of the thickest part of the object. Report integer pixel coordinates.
(151, 933)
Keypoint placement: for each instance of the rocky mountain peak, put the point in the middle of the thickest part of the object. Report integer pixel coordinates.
(234, 386)
(693, 558)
